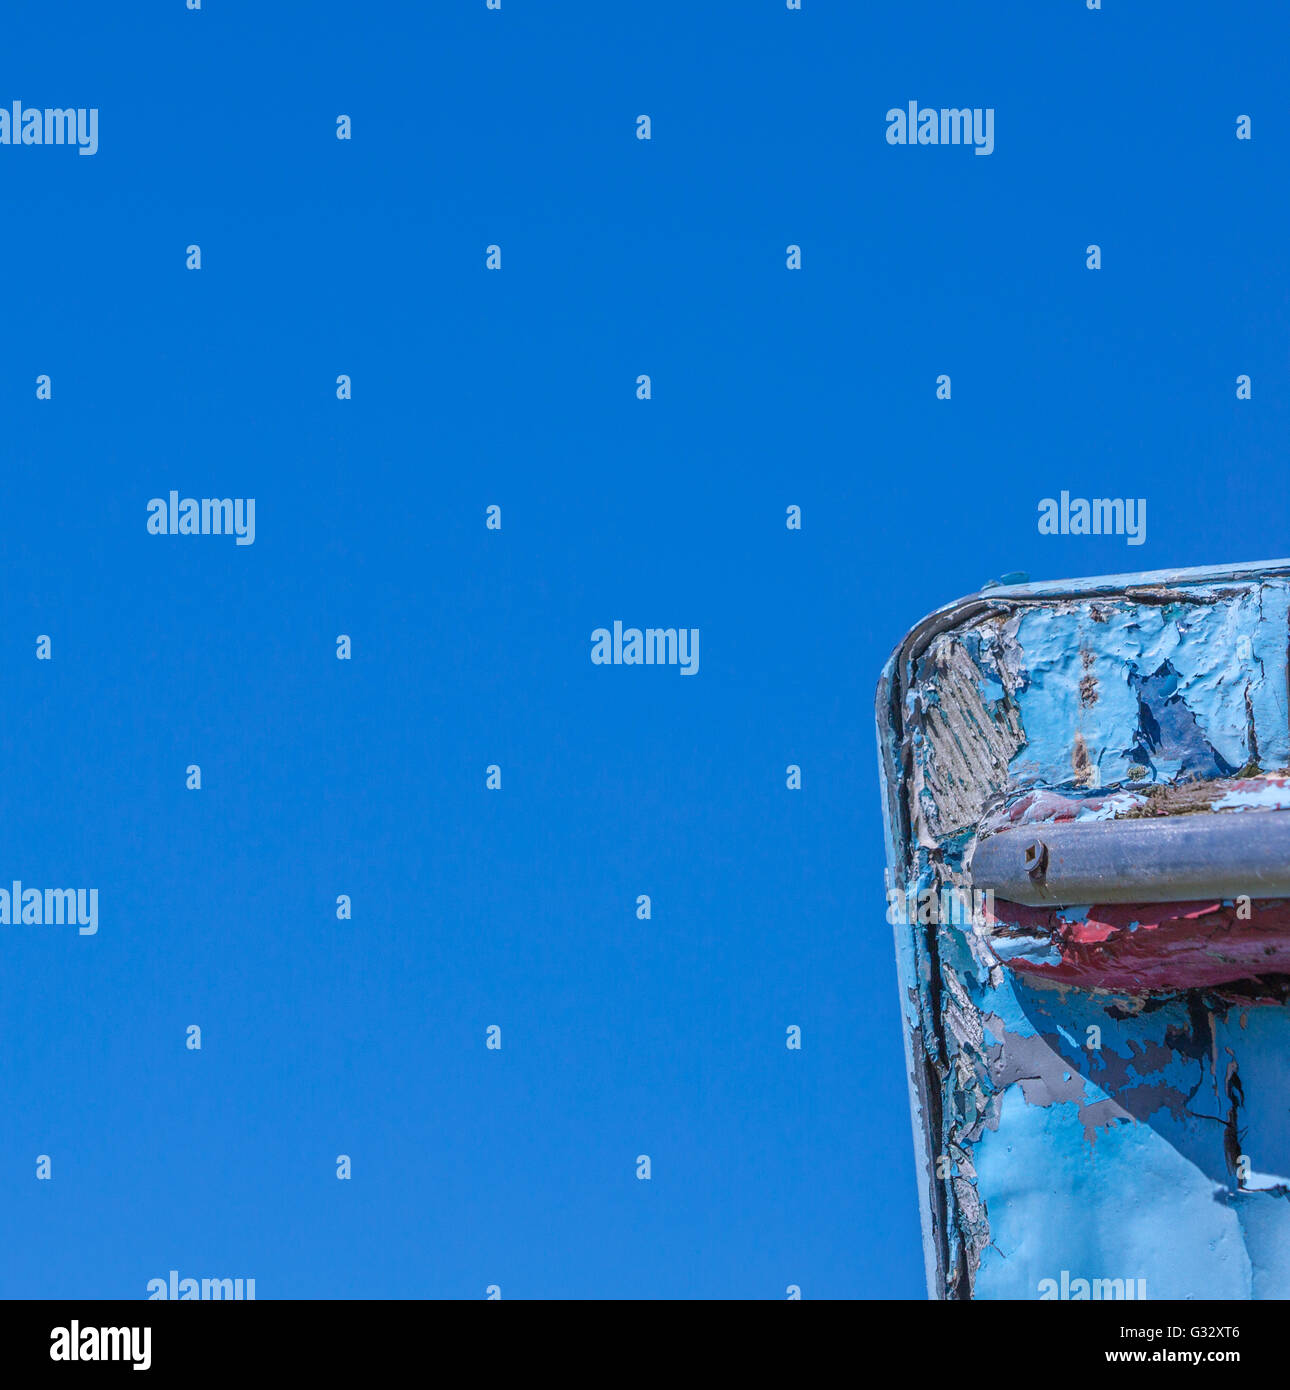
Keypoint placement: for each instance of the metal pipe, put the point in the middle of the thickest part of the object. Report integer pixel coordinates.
(1161, 859)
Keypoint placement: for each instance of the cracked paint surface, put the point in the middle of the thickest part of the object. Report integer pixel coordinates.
(1133, 1133)
(1147, 946)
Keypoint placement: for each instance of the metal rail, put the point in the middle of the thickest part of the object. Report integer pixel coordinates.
(1162, 859)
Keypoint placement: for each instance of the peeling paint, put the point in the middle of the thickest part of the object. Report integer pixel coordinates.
(1135, 1131)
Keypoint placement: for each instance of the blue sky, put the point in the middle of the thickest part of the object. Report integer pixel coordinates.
(518, 388)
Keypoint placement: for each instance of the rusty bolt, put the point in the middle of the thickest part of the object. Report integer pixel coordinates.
(1036, 859)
